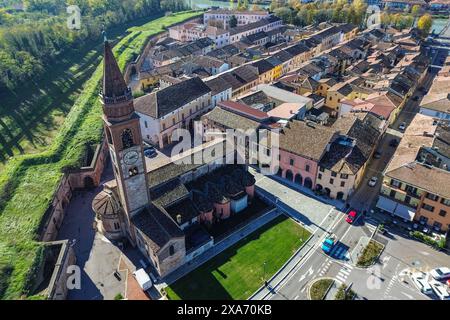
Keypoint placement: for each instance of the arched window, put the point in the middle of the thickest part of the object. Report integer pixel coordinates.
(133, 171)
(127, 138)
(171, 250)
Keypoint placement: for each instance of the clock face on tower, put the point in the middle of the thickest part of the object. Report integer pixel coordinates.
(130, 157)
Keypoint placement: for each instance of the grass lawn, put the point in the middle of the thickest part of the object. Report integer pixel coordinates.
(238, 272)
(320, 288)
(370, 253)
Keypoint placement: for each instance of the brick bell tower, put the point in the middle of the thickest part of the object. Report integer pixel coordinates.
(121, 125)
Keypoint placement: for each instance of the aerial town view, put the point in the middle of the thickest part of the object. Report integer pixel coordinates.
(224, 150)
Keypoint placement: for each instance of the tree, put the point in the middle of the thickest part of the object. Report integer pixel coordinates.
(245, 5)
(415, 10)
(284, 14)
(239, 5)
(231, 4)
(424, 24)
(233, 21)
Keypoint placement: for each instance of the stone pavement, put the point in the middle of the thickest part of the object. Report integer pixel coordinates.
(357, 250)
(219, 247)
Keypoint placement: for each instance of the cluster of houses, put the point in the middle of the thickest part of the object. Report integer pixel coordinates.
(415, 185)
(327, 82)
(327, 93)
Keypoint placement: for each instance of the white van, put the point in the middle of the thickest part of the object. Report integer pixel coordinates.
(440, 290)
(143, 279)
(421, 282)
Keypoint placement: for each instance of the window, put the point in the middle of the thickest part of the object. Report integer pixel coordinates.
(331, 181)
(127, 139)
(116, 226)
(171, 250)
(442, 213)
(392, 193)
(333, 174)
(427, 207)
(342, 183)
(291, 162)
(321, 169)
(344, 176)
(307, 168)
(146, 124)
(432, 196)
(396, 183)
(445, 201)
(133, 171)
(164, 126)
(319, 176)
(173, 121)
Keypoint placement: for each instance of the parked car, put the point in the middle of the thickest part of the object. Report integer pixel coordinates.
(440, 290)
(416, 98)
(402, 126)
(351, 217)
(328, 244)
(143, 279)
(373, 181)
(377, 154)
(393, 143)
(442, 273)
(421, 282)
(150, 152)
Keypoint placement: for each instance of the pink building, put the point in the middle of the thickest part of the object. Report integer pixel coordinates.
(302, 145)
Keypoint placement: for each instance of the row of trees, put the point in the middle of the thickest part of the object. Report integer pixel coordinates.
(296, 13)
(30, 41)
(301, 14)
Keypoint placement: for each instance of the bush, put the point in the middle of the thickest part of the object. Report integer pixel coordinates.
(342, 294)
(319, 289)
(428, 240)
(118, 297)
(370, 254)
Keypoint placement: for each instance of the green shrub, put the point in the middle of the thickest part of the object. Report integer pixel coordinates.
(118, 296)
(319, 289)
(370, 254)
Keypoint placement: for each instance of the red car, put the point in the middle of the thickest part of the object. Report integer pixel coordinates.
(351, 217)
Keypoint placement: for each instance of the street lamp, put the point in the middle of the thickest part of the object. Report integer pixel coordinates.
(264, 273)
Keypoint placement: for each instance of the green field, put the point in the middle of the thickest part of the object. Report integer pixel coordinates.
(28, 182)
(238, 272)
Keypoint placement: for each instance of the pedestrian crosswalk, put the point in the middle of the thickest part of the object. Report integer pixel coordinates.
(344, 273)
(324, 268)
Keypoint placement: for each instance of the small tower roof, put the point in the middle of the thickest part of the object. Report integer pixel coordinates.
(113, 83)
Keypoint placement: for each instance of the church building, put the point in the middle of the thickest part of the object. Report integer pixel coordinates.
(161, 210)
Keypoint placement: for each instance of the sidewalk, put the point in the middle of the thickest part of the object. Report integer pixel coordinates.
(219, 247)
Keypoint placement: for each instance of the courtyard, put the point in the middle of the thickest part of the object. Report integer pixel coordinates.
(240, 270)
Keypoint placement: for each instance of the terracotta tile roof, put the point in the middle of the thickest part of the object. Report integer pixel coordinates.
(307, 140)
(113, 83)
(156, 226)
(430, 179)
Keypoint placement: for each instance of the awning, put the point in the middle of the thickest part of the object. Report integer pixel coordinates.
(405, 212)
(396, 208)
(386, 204)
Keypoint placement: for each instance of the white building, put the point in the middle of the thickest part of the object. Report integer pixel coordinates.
(223, 17)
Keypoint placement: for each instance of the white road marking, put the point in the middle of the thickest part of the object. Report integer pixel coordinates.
(408, 295)
(340, 278)
(296, 297)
